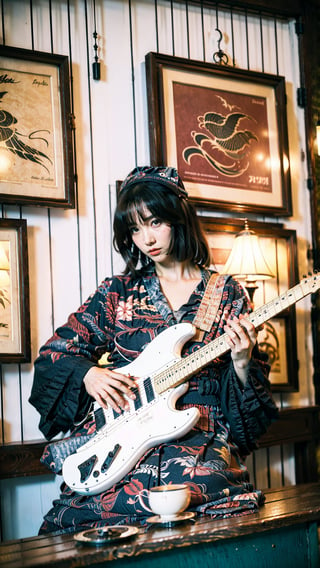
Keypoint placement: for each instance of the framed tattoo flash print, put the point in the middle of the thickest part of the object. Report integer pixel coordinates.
(15, 346)
(36, 156)
(224, 129)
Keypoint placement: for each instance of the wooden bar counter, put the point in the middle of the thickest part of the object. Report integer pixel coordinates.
(283, 533)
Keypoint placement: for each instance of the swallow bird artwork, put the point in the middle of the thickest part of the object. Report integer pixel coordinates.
(12, 140)
(224, 137)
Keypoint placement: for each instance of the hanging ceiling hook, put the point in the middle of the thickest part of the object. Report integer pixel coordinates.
(96, 63)
(220, 37)
(220, 56)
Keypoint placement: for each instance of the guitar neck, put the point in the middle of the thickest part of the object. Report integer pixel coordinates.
(183, 369)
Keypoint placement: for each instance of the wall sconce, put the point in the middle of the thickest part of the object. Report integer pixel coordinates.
(246, 261)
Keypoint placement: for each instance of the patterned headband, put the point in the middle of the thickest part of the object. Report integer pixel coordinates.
(161, 174)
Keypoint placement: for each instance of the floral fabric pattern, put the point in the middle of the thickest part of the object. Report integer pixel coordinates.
(121, 318)
(206, 462)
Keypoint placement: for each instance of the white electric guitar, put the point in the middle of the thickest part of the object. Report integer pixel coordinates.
(121, 439)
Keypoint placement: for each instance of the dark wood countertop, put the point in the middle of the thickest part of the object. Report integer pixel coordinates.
(284, 507)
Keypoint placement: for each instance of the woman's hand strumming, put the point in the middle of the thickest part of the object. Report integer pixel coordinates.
(109, 387)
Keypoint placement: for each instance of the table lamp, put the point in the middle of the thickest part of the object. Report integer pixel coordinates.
(246, 261)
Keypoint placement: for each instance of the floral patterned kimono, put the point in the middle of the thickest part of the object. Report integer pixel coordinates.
(120, 318)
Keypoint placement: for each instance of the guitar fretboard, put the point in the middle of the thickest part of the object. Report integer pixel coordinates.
(183, 369)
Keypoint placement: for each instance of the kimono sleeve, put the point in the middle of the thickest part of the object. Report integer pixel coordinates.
(249, 408)
(58, 392)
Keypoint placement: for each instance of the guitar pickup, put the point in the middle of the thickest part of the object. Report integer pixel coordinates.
(110, 457)
(99, 418)
(86, 468)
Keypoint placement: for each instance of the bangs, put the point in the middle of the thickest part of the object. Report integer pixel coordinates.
(143, 199)
(137, 211)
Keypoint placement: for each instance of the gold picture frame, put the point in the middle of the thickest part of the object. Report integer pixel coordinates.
(278, 337)
(224, 129)
(36, 150)
(15, 344)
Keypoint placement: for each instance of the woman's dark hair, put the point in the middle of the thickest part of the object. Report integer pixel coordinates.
(188, 241)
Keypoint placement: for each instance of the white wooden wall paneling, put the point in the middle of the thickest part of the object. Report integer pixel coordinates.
(70, 251)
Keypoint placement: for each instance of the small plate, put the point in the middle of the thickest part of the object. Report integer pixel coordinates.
(174, 520)
(105, 535)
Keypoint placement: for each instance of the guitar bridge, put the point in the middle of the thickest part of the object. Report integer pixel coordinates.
(86, 468)
(110, 457)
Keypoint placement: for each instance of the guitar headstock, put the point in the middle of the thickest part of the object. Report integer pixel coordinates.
(310, 283)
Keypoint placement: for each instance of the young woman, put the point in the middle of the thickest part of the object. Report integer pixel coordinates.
(165, 283)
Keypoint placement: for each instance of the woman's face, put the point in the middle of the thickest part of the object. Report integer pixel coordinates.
(151, 236)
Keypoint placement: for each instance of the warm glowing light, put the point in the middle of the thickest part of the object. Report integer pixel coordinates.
(318, 136)
(260, 157)
(285, 162)
(5, 161)
(275, 164)
(246, 260)
(4, 278)
(4, 261)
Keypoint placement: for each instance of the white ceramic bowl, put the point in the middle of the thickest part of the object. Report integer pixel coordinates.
(169, 500)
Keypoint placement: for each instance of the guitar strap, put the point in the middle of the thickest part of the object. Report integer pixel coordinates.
(209, 306)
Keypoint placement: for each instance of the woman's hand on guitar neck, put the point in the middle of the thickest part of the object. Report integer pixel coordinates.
(109, 387)
(241, 339)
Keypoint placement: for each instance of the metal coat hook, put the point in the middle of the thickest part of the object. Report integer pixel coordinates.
(220, 56)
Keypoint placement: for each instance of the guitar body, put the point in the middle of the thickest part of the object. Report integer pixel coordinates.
(117, 446)
(161, 375)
